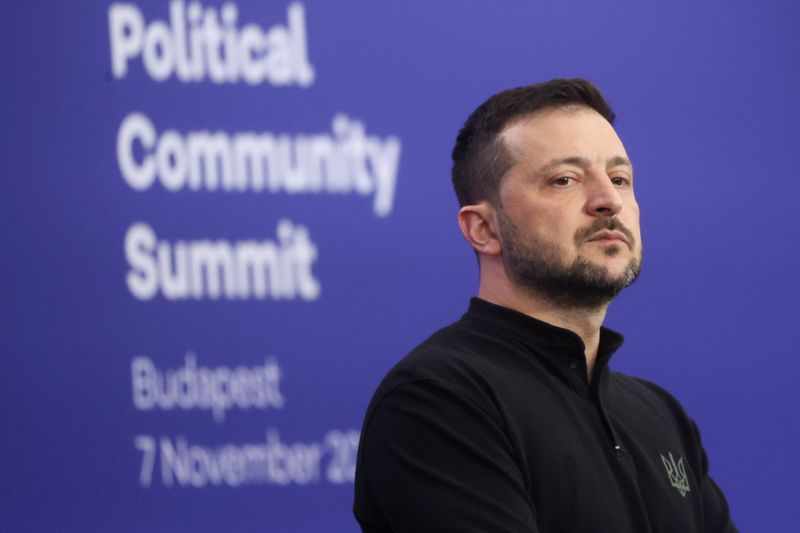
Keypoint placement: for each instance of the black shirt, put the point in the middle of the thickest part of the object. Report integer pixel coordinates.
(492, 425)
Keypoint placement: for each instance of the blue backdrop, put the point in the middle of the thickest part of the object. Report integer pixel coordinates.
(222, 224)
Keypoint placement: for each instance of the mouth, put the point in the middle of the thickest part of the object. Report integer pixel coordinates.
(610, 233)
(609, 237)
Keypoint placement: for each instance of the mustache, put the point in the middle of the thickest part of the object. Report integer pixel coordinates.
(610, 224)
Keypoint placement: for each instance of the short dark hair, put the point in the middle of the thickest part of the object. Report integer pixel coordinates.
(480, 157)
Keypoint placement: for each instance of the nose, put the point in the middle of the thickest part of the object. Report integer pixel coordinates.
(603, 199)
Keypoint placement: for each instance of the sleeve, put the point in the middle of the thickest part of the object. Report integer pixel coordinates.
(433, 461)
(716, 515)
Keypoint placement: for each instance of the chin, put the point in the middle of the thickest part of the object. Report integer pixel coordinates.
(616, 263)
(616, 268)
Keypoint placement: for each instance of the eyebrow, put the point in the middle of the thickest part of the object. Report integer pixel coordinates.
(583, 162)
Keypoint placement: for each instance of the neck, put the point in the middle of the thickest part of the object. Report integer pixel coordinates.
(584, 322)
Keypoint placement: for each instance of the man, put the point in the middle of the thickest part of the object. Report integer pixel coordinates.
(510, 420)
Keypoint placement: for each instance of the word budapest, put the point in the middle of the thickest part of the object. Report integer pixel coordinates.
(198, 387)
(345, 161)
(198, 44)
(205, 269)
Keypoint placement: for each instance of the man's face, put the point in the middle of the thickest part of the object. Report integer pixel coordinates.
(568, 219)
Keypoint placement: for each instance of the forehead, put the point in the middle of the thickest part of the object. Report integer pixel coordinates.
(561, 133)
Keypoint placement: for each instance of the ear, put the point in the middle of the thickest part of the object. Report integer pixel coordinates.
(478, 224)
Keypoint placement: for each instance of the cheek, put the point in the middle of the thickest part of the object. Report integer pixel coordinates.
(544, 222)
(637, 233)
(551, 223)
(562, 231)
(631, 218)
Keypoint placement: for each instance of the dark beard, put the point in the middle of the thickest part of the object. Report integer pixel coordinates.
(536, 266)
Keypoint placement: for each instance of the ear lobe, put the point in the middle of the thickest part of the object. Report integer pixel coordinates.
(478, 223)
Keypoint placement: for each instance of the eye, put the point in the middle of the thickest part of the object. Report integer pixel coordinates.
(562, 181)
(620, 181)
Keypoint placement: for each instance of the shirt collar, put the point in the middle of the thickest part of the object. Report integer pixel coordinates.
(539, 335)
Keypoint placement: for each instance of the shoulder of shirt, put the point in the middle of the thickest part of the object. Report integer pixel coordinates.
(659, 399)
(448, 354)
(648, 389)
(445, 361)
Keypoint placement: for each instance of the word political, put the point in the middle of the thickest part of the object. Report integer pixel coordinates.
(216, 389)
(345, 161)
(200, 43)
(249, 269)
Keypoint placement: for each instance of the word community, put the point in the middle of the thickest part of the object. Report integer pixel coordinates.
(345, 161)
